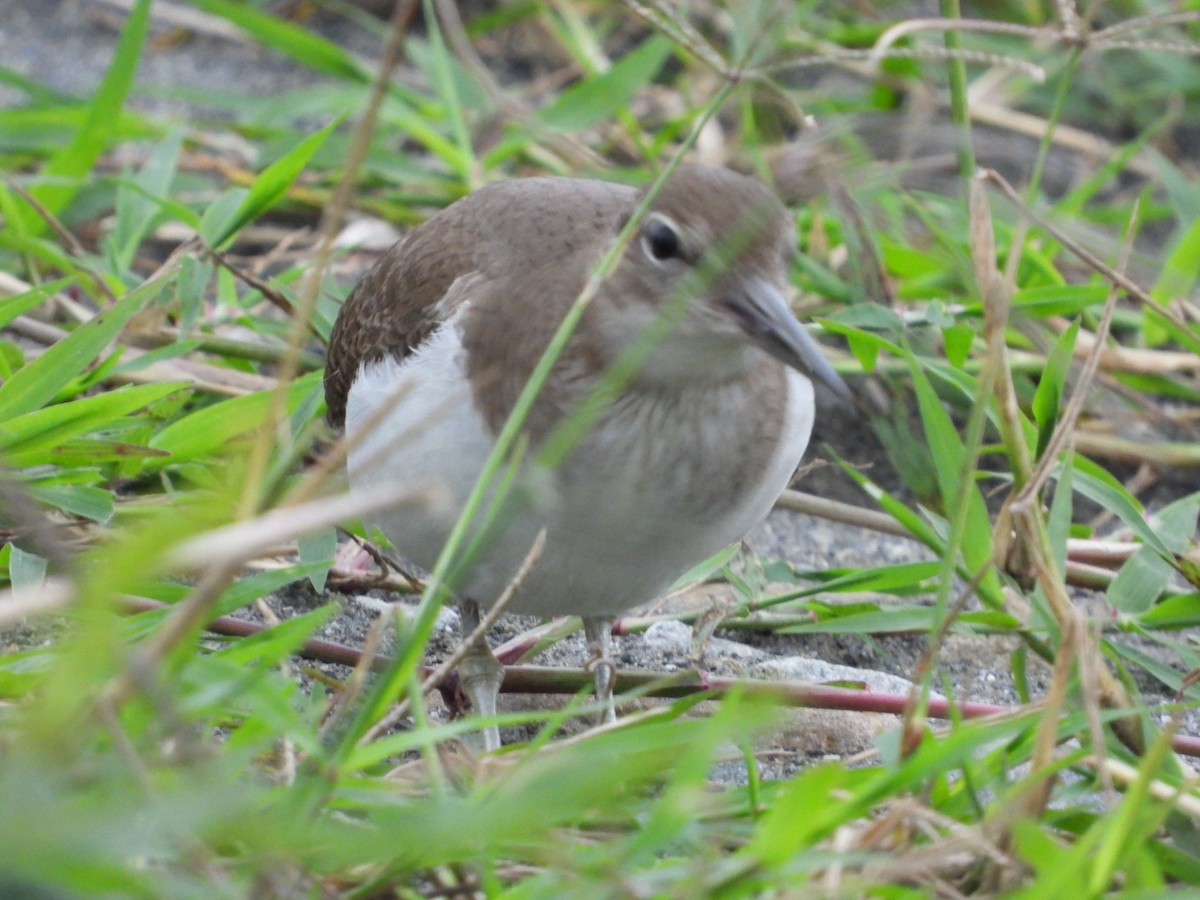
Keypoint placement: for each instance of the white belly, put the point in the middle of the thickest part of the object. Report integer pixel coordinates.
(643, 498)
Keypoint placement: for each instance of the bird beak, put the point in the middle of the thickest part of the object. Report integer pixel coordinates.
(764, 314)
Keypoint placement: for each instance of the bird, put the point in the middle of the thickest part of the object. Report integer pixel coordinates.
(432, 347)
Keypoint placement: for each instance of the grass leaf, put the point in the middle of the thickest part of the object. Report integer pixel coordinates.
(298, 43)
(594, 99)
(76, 159)
(1048, 396)
(270, 185)
(203, 433)
(39, 381)
(22, 438)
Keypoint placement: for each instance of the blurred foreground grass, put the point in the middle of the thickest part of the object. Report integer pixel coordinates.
(167, 284)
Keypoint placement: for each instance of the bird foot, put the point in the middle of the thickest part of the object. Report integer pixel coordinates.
(480, 675)
(600, 664)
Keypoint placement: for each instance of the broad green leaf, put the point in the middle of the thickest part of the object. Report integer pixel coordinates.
(1170, 675)
(704, 570)
(1056, 300)
(1101, 488)
(869, 317)
(38, 382)
(83, 451)
(957, 340)
(25, 570)
(1176, 279)
(11, 359)
(1161, 385)
(78, 499)
(1062, 873)
(904, 577)
(252, 587)
(596, 775)
(271, 184)
(901, 620)
(950, 460)
(901, 439)
(1176, 522)
(24, 437)
(274, 644)
(865, 351)
(864, 326)
(1180, 611)
(219, 214)
(912, 263)
(417, 125)
(915, 525)
(594, 99)
(206, 431)
(1139, 582)
(317, 549)
(194, 276)
(137, 203)
(1159, 329)
(824, 282)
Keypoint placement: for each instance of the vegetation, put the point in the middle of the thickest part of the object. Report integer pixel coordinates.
(1028, 356)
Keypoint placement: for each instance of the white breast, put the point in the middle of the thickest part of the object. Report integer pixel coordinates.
(641, 500)
(425, 431)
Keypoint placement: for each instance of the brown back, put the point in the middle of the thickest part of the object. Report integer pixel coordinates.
(532, 236)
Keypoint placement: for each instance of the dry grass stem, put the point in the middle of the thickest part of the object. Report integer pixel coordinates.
(330, 225)
(177, 15)
(568, 146)
(1064, 429)
(837, 511)
(1114, 277)
(438, 675)
(1183, 797)
(235, 544)
(1033, 799)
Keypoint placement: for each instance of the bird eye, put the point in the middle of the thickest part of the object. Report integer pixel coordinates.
(661, 240)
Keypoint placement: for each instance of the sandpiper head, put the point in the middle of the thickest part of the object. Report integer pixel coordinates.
(716, 249)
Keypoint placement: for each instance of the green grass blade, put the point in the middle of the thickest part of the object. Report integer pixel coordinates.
(19, 304)
(37, 383)
(594, 99)
(1048, 396)
(24, 438)
(204, 432)
(76, 159)
(291, 40)
(269, 186)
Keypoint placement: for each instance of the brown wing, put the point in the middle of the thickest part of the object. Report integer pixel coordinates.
(533, 237)
(396, 304)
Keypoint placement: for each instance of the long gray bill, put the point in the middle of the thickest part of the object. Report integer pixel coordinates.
(764, 314)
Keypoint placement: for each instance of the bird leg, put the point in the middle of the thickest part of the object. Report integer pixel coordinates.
(480, 675)
(598, 630)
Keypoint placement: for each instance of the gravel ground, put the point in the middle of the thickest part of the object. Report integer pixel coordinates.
(66, 44)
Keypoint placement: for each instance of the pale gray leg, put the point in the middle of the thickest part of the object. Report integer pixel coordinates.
(598, 630)
(480, 675)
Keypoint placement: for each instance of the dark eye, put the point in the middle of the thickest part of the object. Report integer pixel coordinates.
(661, 240)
